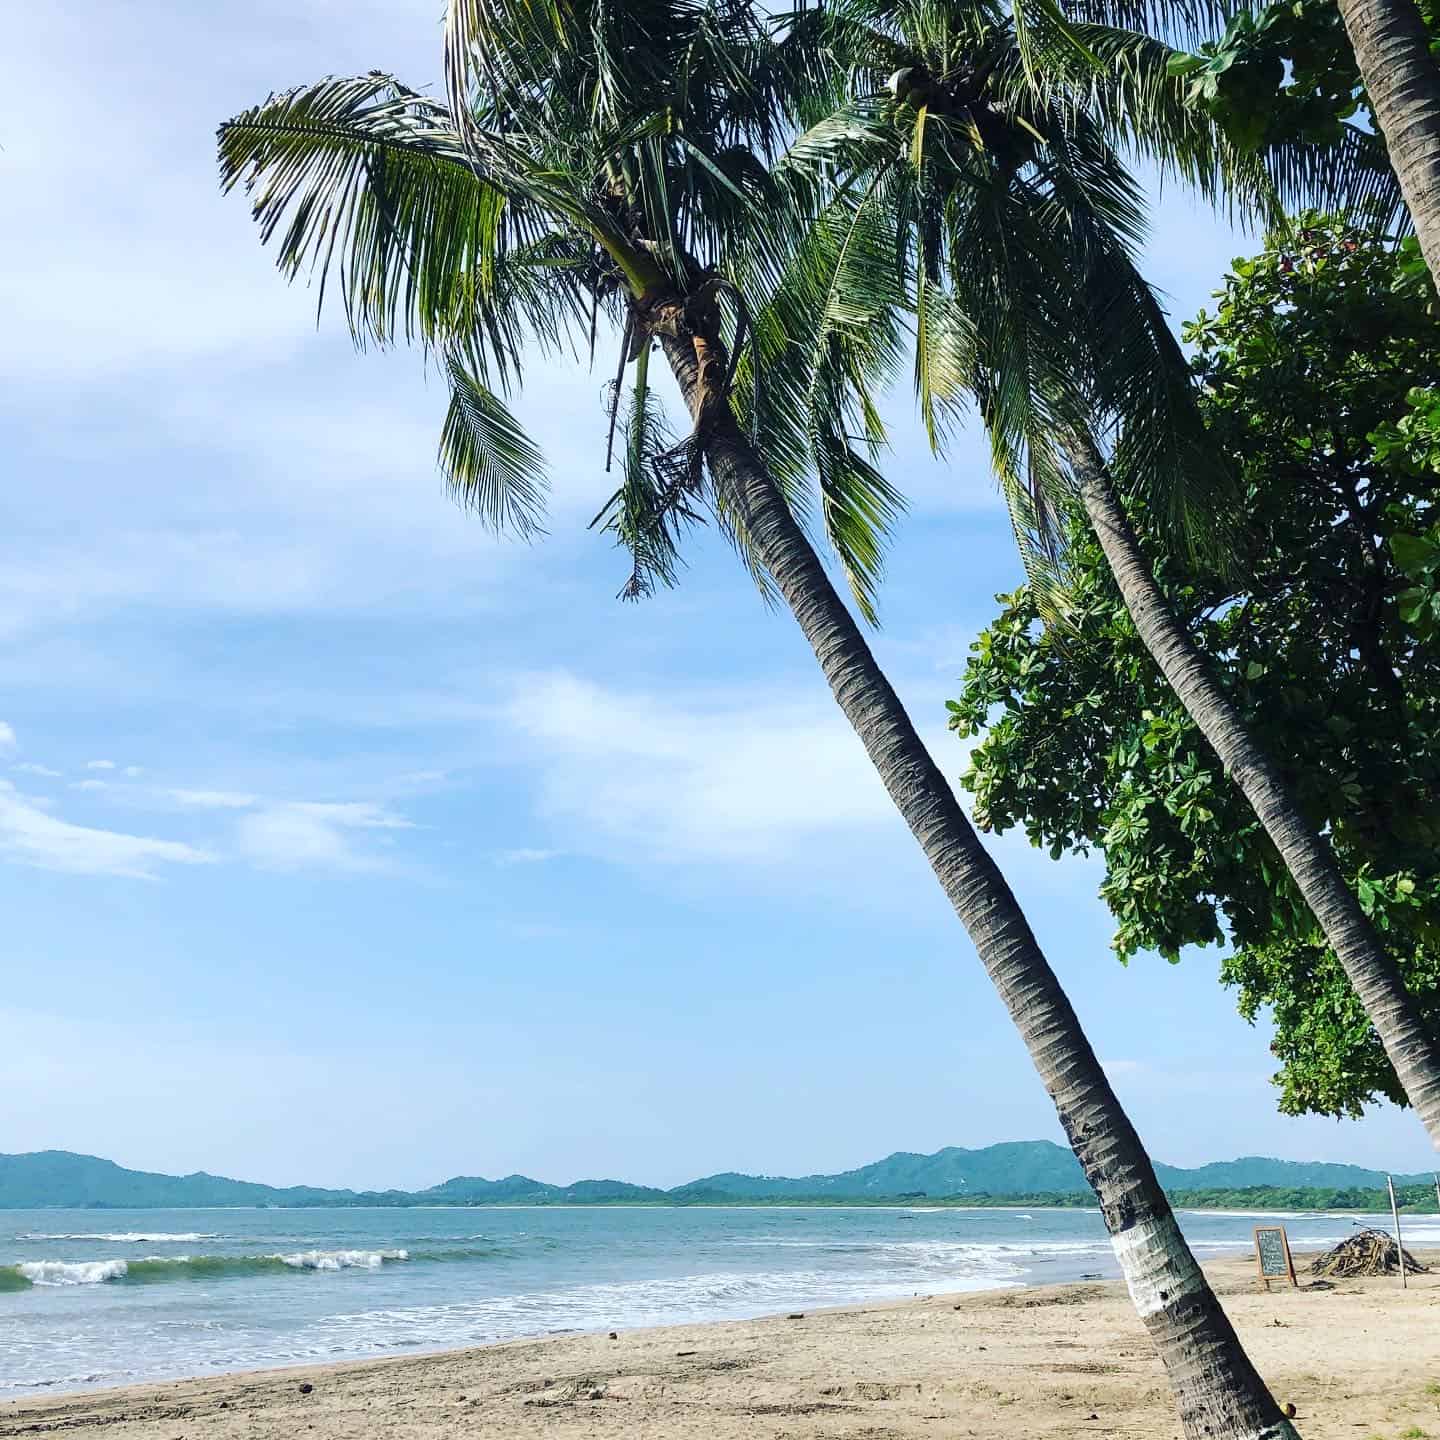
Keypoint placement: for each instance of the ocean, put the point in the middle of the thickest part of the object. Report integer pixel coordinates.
(92, 1298)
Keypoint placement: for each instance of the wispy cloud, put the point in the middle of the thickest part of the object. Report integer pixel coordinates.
(7, 736)
(30, 836)
(525, 857)
(212, 799)
(99, 764)
(267, 834)
(1114, 1068)
(307, 835)
(736, 777)
(352, 814)
(44, 772)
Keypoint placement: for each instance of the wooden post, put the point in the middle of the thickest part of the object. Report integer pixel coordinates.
(1399, 1244)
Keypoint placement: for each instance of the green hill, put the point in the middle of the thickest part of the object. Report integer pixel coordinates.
(58, 1177)
(1034, 1169)
(521, 1190)
(1252, 1170)
(1018, 1167)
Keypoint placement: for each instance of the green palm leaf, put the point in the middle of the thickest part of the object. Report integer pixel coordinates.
(494, 468)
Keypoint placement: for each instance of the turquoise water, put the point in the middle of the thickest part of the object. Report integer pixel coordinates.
(109, 1297)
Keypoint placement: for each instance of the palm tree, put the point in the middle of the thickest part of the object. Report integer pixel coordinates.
(994, 176)
(1392, 49)
(610, 160)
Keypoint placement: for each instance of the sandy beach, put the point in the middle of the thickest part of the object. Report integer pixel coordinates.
(1360, 1360)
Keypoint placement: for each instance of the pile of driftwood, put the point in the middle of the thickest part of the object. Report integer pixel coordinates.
(1370, 1252)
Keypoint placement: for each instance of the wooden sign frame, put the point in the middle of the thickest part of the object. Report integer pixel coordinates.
(1285, 1245)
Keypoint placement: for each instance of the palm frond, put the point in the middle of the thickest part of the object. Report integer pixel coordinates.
(658, 496)
(945, 359)
(365, 179)
(829, 340)
(1182, 23)
(1351, 176)
(494, 469)
(860, 507)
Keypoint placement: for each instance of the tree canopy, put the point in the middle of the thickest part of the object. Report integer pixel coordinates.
(1312, 371)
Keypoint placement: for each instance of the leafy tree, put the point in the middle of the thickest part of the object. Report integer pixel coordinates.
(1326, 650)
(1415, 440)
(1282, 72)
(607, 157)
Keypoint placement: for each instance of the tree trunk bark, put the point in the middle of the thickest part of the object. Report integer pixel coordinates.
(1219, 1392)
(1408, 1041)
(1392, 50)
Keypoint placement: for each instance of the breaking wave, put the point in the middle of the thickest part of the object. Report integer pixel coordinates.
(155, 1269)
(69, 1272)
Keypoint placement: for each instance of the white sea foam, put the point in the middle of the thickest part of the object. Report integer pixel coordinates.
(47, 1382)
(341, 1259)
(72, 1272)
(1263, 1214)
(937, 1254)
(128, 1237)
(673, 1300)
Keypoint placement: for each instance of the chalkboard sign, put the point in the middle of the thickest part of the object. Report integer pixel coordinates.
(1272, 1250)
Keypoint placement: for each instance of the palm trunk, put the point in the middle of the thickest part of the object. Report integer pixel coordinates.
(1392, 50)
(1408, 1041)
(1218, 1390)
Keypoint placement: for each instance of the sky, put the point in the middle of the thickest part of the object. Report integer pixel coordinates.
(342, 843)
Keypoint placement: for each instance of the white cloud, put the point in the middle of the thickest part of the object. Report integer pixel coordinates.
(525, 857)
(212, 799)
(29, 767)
(99, 764)
(306, 834)
(729, 777)
(179, 570)
(1116, 1068)
(133, 771)
(351, 814)
(89, 784)
(7, 736)
(28, 836)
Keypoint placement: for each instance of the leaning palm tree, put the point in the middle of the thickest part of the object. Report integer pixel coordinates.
(609, 161)
(1392, 49)
(982, 188)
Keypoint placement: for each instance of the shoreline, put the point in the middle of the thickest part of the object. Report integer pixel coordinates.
(1013, 1362)
(1178, 1202)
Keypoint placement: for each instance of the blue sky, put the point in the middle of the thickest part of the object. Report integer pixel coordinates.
(342, 843)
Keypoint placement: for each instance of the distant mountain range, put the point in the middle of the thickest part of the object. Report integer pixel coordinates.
(59, 1178)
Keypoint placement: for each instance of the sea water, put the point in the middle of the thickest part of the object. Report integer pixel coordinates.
(92, 1298)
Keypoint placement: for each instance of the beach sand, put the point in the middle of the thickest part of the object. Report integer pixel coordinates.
(1357, 1361)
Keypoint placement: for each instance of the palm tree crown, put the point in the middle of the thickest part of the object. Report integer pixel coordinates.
(971, 172)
